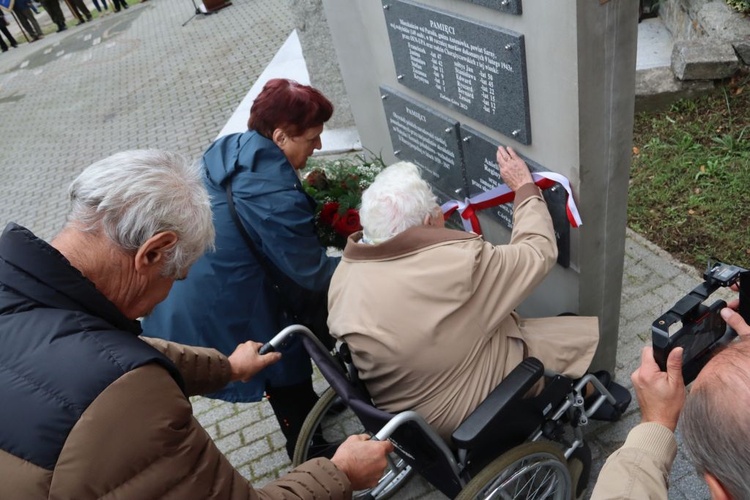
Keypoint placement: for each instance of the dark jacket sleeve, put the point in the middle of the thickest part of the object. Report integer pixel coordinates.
(139, 439)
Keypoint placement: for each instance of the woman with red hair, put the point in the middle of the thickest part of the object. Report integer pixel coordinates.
(246, 288)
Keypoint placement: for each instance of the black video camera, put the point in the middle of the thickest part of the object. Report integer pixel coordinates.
(696, 327)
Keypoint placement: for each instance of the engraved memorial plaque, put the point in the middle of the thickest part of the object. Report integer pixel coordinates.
(427, 138)
(507, 6)
(477, 69)
(482, 174)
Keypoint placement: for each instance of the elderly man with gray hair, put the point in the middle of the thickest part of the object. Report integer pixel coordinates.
(90, 409)
(715, 426)
(428, 312)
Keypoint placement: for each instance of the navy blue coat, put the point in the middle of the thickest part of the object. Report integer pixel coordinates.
(227, 297)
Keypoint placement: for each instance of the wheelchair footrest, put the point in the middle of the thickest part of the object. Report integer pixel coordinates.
(612, 412)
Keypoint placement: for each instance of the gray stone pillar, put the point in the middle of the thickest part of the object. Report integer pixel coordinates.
(580, 72)
(607, 39)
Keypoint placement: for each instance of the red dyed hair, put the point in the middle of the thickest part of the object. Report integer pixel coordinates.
(290, 106)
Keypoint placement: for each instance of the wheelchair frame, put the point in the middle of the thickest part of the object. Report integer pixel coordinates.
(475, 469)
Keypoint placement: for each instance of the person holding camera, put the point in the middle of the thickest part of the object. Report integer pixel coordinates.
(715, 427)
(733, 318)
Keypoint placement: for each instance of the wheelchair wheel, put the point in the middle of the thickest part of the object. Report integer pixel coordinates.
(326, 427)
(530, 471)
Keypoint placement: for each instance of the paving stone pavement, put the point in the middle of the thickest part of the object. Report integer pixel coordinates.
(140, 79)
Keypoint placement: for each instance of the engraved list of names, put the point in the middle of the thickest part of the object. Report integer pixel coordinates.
(476, 69)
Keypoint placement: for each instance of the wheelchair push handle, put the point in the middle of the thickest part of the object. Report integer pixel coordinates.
(282, 339)
(266, 348)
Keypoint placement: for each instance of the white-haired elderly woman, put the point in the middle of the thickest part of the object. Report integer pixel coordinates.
(92, 410)
(428, 312)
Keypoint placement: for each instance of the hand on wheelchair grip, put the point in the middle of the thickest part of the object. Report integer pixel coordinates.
(245, 361)
(362, 460)
(661, 395)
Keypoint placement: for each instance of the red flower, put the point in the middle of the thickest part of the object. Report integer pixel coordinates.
(348, 223)
(329, 212)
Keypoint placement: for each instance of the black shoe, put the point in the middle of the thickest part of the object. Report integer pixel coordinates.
(15, 45)
(89, 18)
(61, 28)
(80, 22)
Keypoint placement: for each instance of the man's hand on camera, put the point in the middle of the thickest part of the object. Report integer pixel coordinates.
(513, 169)
(733, 319)
(246, 362)
(661, 395)
(362, 460)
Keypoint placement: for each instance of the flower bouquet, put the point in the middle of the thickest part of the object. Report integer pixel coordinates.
(336, 186)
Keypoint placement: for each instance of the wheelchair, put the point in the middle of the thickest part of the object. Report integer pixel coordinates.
(510, 447)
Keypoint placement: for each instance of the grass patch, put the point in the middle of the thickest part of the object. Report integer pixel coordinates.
(690, 177)
(742, 6)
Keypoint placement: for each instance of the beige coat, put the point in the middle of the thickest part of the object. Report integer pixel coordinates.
(139, 440)
(429, 315)
(640, 468)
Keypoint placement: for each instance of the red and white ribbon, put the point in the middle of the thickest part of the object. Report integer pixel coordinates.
(503, 194)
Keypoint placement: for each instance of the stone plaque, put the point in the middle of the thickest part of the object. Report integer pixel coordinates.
(507, 6)
(482, 174)
(427, 138)
(477, 69)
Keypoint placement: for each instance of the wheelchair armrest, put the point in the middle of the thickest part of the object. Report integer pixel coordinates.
(488, 414)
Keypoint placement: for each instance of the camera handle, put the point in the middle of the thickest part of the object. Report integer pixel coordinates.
(687, 306)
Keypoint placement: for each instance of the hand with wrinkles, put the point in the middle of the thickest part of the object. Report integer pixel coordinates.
(362, 460)
(246, 362)
(513, 169)
(733, 319)
(661, 395)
